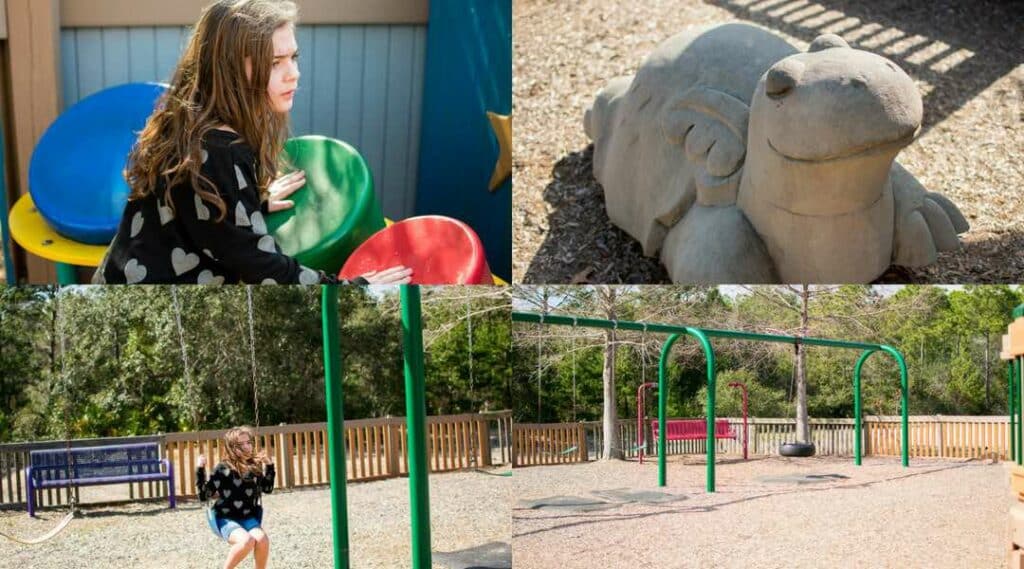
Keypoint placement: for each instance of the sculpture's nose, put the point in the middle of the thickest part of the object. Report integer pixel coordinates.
(783, 77)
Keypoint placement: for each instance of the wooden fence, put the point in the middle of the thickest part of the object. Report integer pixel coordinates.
(933, 436)
(374, 449)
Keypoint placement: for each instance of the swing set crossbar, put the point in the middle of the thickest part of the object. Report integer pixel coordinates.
(704, 336)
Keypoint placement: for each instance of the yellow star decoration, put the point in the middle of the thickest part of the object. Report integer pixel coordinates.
(502, 125)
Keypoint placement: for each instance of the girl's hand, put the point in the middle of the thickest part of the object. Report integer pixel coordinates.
(394, 275)
(283, 187)
(201, 461)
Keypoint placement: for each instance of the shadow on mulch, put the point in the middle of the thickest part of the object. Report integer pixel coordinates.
(582, 246)
(989, 29)
(494, 555)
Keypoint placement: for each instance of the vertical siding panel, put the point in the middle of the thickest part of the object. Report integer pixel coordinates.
(69, 67)
(168, 50)
(142, 56)
(115, 56)
(399, 98)
(302, 110)
(324, 80)
(89, 46)
(374, 116)
(351, 64)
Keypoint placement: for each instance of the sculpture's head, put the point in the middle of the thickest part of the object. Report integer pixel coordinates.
(833, 103)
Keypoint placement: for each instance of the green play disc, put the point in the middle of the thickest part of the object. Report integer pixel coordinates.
(334, 212)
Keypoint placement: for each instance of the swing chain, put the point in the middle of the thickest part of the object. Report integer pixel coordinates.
(68, 457)
(252, 358)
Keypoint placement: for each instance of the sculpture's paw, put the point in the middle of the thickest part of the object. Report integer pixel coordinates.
(932, 227)
(926, 222)
(716, 245)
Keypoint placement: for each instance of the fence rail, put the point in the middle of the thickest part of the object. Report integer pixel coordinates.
(934, 436)
(374, 449)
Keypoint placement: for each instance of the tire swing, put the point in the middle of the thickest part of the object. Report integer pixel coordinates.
(796, 449)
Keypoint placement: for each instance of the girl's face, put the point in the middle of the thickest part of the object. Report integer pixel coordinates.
(245, 443)
(284, 74)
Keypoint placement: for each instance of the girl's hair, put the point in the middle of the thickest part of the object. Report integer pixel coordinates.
(239, 460)
(210, 87)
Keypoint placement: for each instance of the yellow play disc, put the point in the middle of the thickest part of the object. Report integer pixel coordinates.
(35, 235)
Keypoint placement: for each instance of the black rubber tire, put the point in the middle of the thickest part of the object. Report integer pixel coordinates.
(796, 449)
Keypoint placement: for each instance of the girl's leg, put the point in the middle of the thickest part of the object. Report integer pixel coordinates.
(241, 544)
(261, 549)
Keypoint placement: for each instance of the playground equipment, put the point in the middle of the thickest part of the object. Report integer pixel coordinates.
(77, 190)
(1013, 354)
(743, 160)
(704, 335)
(334, 212)
(687, 429)
(95, 466)
(415, 412)
(439, 250)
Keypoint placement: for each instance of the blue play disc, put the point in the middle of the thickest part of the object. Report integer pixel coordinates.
(76, 173)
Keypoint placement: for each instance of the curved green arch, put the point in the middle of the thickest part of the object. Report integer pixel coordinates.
(709, 354)
(904, 412)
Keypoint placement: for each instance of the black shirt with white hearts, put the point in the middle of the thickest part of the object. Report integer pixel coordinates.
(185, 244)
(238, 497)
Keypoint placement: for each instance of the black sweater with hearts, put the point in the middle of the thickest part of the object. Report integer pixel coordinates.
(238, 497)
(187, 244)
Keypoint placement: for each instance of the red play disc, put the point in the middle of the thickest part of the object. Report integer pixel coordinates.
(438, 249)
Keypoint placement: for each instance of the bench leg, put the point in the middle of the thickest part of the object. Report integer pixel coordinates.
(170, 485)
(30, 497)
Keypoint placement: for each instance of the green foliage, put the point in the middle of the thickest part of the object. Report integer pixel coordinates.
(122, 370)
(950, 339)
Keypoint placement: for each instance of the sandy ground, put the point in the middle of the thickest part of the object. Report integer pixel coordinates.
(467, 509)
(965, 57)
(932, 514)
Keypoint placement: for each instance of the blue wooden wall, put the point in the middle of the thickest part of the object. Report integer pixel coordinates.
(360, 84)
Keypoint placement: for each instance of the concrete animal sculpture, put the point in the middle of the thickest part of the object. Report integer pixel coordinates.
(743, 160)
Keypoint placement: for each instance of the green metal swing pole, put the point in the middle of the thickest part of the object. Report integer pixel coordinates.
(335, 424)
(709, 355)
(1009, 411)
(1018, 369)
(416, 419)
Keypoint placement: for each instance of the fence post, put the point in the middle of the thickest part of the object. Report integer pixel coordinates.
(942, 441)
(289, 462)
(483, 427)
(391, 448)
(581, 438)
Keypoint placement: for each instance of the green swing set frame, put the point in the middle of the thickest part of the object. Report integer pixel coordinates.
(416, 419)
(704, 335)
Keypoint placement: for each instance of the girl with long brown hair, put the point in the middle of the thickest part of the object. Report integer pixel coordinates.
(203, 174)
(238, 482)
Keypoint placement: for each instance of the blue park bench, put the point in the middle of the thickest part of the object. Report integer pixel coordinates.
(94, 466)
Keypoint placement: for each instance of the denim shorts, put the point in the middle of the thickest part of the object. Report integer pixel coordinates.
(226, 526)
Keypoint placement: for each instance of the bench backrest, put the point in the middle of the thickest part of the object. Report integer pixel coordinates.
(693, 429)
(95, 462)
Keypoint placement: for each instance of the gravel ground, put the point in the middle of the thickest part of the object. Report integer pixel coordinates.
(565, 51)
(932, 514)
(467, 509)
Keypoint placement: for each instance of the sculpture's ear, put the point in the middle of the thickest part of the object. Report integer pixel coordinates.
(827, 41)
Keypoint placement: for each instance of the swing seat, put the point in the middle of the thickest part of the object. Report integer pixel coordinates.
(693, 430)
(334, 212)
(438, 249)
(75, 174)
(211, 519)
